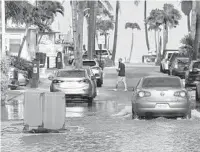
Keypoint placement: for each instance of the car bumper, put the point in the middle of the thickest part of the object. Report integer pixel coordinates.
(74, 93)
(174, 109)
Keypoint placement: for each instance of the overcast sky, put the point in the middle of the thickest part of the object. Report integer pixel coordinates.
(131, 13)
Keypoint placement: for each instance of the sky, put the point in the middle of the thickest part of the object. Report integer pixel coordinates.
(131, 13)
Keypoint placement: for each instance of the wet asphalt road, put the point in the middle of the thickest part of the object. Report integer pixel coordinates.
(104, 126)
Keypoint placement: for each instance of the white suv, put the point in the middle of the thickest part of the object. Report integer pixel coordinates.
(164, 66)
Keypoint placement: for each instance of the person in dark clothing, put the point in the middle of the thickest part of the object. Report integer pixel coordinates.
(121, 75)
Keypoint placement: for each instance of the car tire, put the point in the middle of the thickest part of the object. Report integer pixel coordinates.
(197, 96)
(161, 70)
(90, 100)
(99, 83)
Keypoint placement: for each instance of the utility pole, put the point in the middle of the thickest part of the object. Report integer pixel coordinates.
(92, 28)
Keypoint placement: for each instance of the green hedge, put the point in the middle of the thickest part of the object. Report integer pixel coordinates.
(24, 66)
(5, 65)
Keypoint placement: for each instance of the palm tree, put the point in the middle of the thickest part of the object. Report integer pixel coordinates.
(103, 26)
(136, 2)
(131, 26)
(186, 7)
(157, 30)
(168, 17)
(116, 31)
(42, 16)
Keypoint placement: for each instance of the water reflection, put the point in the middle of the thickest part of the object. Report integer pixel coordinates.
(12, 112)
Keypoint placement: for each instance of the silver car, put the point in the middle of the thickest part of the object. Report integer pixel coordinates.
(156, 96)
(75, 83)
(98, 72)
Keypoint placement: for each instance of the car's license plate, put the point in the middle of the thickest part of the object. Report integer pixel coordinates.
(162, 106)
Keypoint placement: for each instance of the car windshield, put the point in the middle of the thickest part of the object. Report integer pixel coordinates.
(196, 65)
(183, 61)
(71, 74)
(102, 52)
(161, 82)
(89, 63)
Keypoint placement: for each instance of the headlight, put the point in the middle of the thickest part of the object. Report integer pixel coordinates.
(182, 94)
(141, 94)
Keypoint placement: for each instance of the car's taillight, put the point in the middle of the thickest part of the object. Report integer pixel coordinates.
(144, 94)
(57, 81)
(180, 94)
(85, 81)
(176, 66)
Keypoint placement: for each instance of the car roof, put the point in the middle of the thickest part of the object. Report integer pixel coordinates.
(160, 76)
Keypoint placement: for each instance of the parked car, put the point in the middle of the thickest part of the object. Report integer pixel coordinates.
(98, 72)
(179, 67)
(192, 75)
(165, 61)
(103, 54)
(75, 83)
(157, 96)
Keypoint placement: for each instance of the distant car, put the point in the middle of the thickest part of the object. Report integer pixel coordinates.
(98, 72)
(75, 83)
(103, 54)
(160, 96)
(165, 61)
(179, 66)
(192, 75)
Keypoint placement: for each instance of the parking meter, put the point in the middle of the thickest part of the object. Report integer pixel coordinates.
(59, 60)
(35, 74)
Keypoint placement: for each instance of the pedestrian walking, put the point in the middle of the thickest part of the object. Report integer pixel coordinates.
(121, 75)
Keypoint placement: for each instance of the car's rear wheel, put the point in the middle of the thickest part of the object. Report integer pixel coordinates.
(197, 95)
(90, 100)
(161, 70)
(99, 83)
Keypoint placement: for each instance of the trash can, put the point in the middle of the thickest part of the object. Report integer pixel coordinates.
(54, 110)
(33, 101)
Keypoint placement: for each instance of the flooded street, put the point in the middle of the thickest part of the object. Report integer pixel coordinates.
(107, 125)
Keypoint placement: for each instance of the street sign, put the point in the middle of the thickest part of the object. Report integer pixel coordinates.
(101, 40)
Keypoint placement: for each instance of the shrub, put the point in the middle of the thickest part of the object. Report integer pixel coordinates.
(5, 65)
(22, 65)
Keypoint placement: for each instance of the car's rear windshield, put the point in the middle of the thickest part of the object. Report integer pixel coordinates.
(161, 82)
(196, 65)
(71, 74)
(89, 63)
(102, 52)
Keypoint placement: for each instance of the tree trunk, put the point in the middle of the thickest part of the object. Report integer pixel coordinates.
(197, 38)
(23, 42)
(188, 22)
(116, 32)
(74, 25)
(105, 46)
(38, 42)
(145, 25)
(92, 28)
(165, 36)
(156, 45)
(130, 55)
(79, 61)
